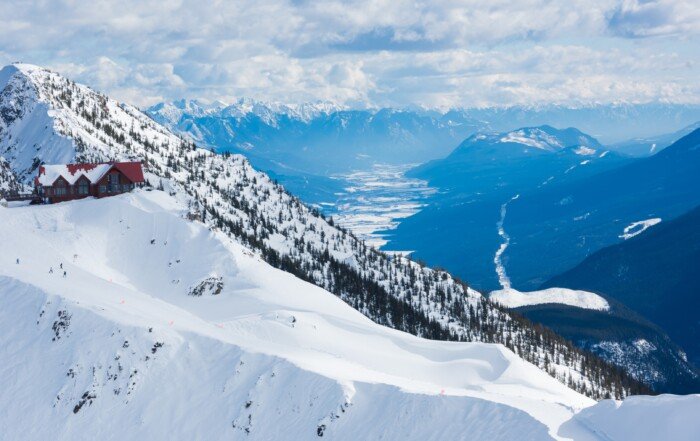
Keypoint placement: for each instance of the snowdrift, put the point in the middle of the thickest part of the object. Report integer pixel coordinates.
(512, 298)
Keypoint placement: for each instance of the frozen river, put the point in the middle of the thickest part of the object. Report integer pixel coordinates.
(376, 200)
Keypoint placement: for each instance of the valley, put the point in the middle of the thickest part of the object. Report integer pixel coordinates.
(375, 201)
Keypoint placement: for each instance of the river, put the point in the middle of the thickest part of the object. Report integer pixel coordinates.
(377, 200)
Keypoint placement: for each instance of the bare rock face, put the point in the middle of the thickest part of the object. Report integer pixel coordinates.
(210, 286)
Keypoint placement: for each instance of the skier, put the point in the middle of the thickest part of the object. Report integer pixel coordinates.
(18, 261)
(50, 270)
(61, 265)
(64, 274)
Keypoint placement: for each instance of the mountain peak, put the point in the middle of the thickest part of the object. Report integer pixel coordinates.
(36, 74)
(9, 71)
(544, 137)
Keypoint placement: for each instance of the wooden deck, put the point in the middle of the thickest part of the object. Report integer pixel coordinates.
(13, 197)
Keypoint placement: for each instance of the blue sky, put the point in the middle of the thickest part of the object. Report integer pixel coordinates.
(438, 53)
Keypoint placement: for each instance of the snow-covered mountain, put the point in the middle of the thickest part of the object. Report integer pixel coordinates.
(8, 179)
(163, 328)
(47, 118)
(546, 138)
(510, 162)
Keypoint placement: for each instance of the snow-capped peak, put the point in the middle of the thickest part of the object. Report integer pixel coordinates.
(544, 138)
(176, 109)
(533, 137)
(269, 112)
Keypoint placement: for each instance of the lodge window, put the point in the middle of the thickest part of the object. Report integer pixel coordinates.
(83, 188)
(60, 189)
(103, 188)
(113, 180)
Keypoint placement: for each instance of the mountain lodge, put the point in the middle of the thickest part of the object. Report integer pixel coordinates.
(65, 182)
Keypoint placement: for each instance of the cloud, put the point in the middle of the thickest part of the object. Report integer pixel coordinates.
(647, 18)
(365, 52)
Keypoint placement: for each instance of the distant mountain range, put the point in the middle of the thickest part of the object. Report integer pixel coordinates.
(610, 123)
(315, 138)
(303, 145)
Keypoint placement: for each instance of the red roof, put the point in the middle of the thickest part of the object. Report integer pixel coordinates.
(92, 171)
(74, 168)
(132, 170)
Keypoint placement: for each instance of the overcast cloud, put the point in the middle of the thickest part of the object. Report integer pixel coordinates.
(437, 53)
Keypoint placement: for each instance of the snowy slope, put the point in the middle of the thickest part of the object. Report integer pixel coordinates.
(512, 298)
(637, 228)
(118, 348)
(637, 418)
(48, 118)
(8, 180)
(27, 129)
